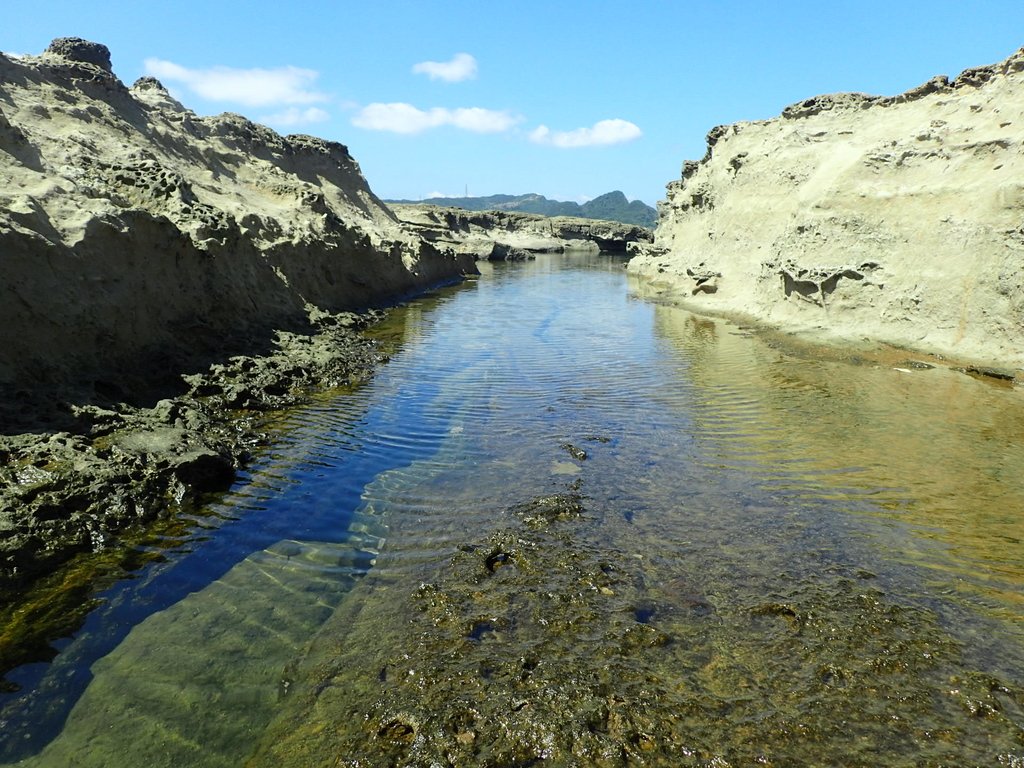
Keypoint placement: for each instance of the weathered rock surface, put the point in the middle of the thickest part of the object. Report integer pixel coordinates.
(508, 235)
(140, 242)
(100, 477)
(138, 237)
(611, 206)
(894, 218)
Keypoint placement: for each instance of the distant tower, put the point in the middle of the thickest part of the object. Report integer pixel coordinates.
(467, 192)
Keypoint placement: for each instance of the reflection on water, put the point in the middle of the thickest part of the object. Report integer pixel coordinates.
(937, 451)
(565, 524)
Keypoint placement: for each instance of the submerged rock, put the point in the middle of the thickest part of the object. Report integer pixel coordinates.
(103, 474)
(547, 644)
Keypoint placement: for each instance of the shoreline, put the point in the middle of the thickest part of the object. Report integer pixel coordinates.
(894, 218)
(833, 343)
(100, 475)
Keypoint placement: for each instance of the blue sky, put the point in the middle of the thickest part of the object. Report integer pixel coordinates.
(567, 99)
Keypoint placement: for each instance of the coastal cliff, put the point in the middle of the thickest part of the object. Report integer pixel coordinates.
(137, 235)
(165, 280)
(509, 235)
(899, 219)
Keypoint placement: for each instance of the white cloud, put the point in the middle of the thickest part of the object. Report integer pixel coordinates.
(13, 55)
(603, 132)
(433, 195)
(461, 67)
(251, 87)
(398, 117)
(295, 116)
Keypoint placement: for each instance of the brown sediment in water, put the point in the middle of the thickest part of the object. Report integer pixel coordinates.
(694, 615)
(547, 640)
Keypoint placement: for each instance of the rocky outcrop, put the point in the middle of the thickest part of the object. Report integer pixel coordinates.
(507, 235)
(139, 243)
(611, 206)
(896, 218)
(139, 239)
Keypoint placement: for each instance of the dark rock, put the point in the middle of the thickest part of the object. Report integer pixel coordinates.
(575, 451)
(77, 49)
(204, 469)
(999, 374)
(830, 102)
(504, 252)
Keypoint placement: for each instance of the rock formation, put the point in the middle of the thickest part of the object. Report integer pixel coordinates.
(138, 238)
(507, 235)
(140, 242)
(611, 206)
(896, 218)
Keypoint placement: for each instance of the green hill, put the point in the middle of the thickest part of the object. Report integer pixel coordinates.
(612, 206)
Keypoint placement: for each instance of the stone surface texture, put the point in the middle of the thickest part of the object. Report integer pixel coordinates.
(136, 235)
(899, 219)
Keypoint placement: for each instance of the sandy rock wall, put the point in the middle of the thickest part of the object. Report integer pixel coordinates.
(897, 218)
(136, 236)
(503, 235)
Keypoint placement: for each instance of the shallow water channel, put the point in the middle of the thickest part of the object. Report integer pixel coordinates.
(566, 524)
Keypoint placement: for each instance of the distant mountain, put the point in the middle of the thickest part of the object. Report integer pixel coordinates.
(612, 207)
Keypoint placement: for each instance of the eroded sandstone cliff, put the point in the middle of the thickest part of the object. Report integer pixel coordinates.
(137, 238)
(139, 243)
(896, 218)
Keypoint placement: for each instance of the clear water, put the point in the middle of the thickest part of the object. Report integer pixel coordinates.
(784, 516)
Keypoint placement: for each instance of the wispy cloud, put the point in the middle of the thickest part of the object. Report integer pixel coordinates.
(399, 117)
(294, 116)
(602, 133)
(461, 67)
(250, 87)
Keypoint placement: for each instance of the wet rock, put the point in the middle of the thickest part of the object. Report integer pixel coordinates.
(203, 469)
(985, 372)
(114, 470)
(504, 252)
(575, 451)
(545, 510)
(915, 365)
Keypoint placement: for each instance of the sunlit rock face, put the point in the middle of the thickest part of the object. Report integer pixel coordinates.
(896, 218)
(130, 227)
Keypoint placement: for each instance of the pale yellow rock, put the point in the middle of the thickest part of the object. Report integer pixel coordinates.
(133, 229)
(897, 219)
